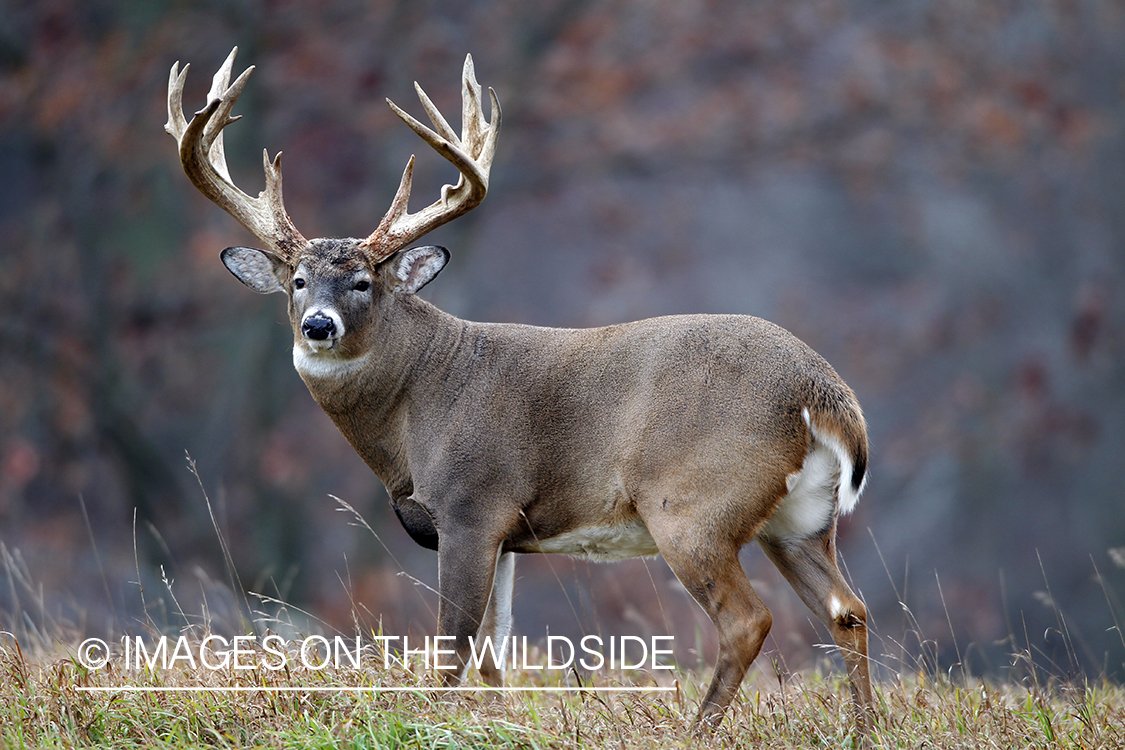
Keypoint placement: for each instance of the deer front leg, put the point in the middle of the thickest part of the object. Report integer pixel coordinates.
(466, 568)
(498, 618)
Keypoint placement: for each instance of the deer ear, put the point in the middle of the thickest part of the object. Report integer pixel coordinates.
(414, 268)
(260, 270)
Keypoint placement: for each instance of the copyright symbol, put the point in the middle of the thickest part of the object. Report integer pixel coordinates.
(93, 654)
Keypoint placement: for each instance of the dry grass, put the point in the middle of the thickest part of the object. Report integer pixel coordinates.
(46, 698)
(43, 704)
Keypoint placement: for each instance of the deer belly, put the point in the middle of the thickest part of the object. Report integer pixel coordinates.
(602, 543)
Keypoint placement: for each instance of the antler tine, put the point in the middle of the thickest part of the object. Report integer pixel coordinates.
(472, 118)
(475, 129)
(204, 160)
(472, 154)
(213, 134)
(176, 124)
(436, 117)
(488, 150)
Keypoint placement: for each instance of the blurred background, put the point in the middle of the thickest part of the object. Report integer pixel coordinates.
(929, 193)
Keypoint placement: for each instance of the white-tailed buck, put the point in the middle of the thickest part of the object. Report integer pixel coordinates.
(683, 436)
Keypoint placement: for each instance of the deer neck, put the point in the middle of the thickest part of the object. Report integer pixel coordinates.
(410, 356)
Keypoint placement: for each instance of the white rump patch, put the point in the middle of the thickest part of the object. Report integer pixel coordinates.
(602, 543)
(807, 509)
(823, 485)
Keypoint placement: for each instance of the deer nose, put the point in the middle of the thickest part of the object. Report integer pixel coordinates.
(318, 327)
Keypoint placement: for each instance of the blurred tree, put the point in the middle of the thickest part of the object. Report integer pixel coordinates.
(926, 192)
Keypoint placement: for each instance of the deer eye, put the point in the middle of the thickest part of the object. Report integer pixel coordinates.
(298, 283)
(362, 286)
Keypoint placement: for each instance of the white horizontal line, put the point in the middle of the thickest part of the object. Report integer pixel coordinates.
(348, 689)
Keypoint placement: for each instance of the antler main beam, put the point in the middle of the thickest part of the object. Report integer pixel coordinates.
(472, 154)
(204, 161)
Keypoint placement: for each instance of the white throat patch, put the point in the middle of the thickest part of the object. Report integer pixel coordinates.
(321, 365)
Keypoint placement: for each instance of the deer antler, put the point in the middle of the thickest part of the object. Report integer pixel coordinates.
(471, 153)
(204, 161)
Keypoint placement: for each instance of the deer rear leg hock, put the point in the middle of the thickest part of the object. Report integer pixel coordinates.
(810, 567)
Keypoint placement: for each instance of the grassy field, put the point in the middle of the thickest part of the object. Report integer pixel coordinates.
(51, 697)
(45, 702)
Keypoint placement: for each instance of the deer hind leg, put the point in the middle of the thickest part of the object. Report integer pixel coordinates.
(709, 569)
(810, 567)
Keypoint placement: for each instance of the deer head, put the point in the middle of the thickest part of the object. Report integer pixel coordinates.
(334, 285)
